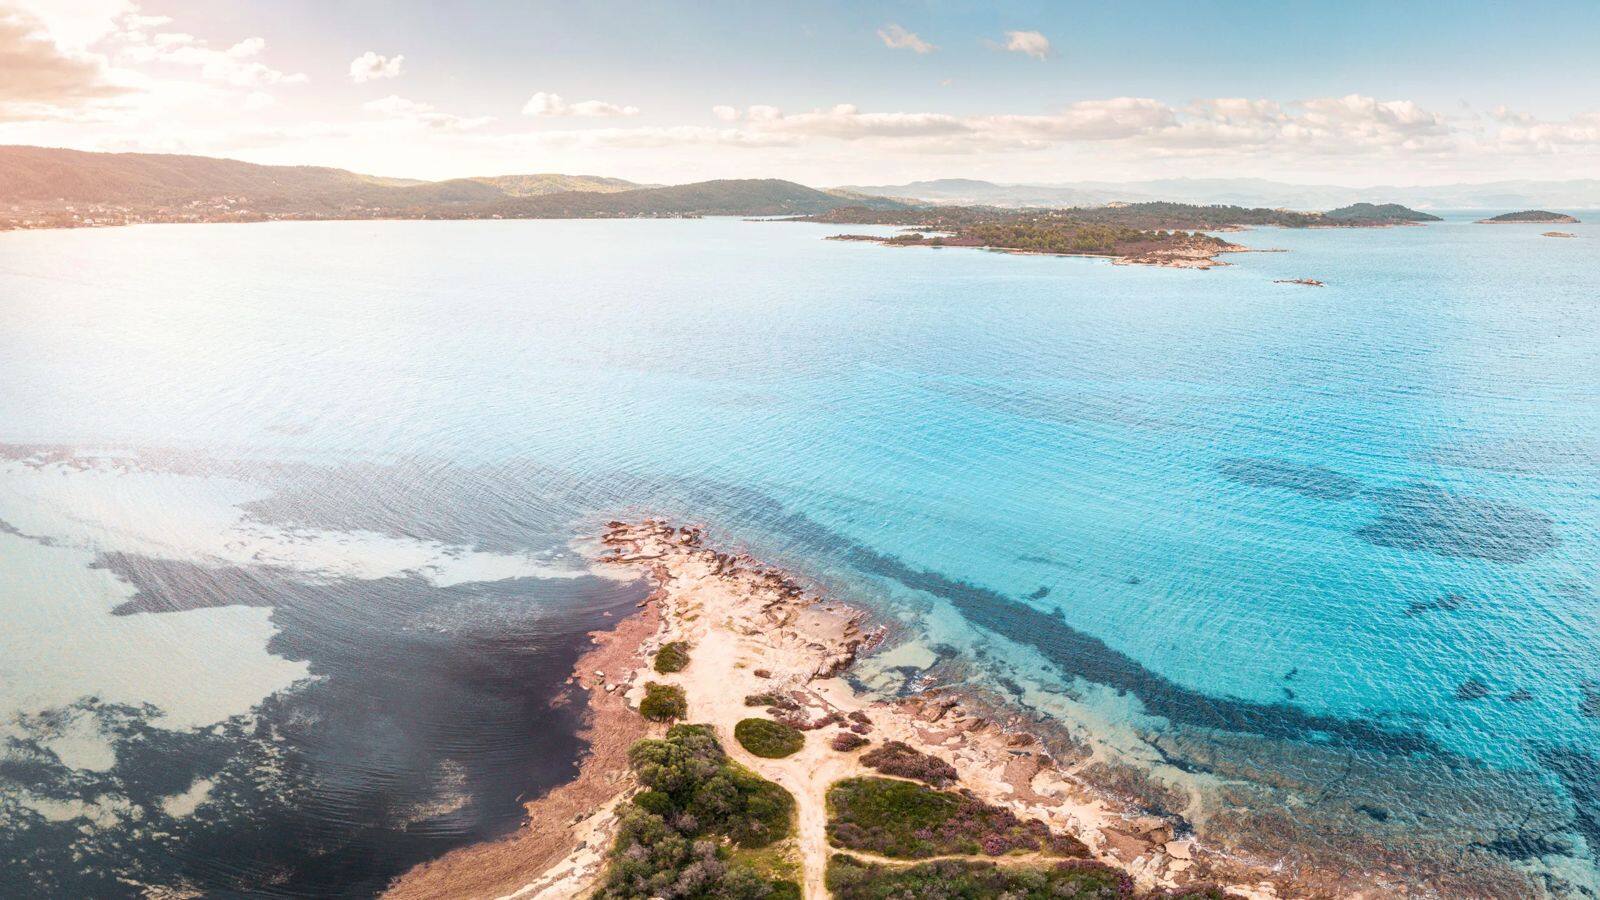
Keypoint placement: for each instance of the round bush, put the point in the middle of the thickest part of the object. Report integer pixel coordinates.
(663, 702)
(673, 657)
(768, 739)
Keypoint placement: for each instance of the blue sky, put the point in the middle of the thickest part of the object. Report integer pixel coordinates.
(823, 92)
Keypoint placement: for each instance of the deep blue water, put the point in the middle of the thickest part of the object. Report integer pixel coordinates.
(267, 463)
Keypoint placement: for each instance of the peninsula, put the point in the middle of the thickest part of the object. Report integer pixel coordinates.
(734, 682)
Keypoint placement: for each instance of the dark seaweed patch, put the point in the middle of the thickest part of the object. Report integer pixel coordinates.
(1090, 658)
(1580, 775)
(1472, 689)
(1375, 813)
(1038, 593)
(433, 713)
(1590, 704)
(1429, 518)
(1317, 482)
(1447, 603)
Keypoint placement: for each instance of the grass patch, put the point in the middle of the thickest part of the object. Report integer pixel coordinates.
(699, 826)
(663, 702)
(910, 821)
(852, 879)
(673, 657)
(778, 865)
(768, 739)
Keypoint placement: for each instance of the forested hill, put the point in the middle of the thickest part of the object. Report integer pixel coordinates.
(47, 187)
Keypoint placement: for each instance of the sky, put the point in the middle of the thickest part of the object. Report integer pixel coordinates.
(826, 93)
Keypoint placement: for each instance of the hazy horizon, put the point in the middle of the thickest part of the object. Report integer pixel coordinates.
(879, 93)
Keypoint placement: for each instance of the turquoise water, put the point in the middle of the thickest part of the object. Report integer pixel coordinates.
(1364, 516)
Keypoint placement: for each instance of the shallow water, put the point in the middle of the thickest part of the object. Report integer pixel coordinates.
(304, 492)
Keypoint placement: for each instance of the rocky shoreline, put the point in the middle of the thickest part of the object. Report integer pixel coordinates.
(753, 629)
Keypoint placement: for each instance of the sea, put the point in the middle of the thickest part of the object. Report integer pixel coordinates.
(295, 524)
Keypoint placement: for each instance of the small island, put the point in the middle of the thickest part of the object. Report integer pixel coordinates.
(1308, 282)
(1053, 236)
(1378, 214)
(1560, 234)
(1527, 216)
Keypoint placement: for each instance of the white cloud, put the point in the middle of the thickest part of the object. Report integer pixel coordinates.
(423, 115)
(547, 104)
(370, 66)
(725, 113)
(41, 78)
(77, 24)
(1031, 43)
(896, 38)
(235, 66)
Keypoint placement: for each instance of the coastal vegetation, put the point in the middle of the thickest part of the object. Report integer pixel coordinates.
(901, 819)
(950, 879)
(905, 761)
(672, 657)
(1540, 216)
(663, 702)
(702, 827)
(846, 741)
(768, 739)
(1060, 234)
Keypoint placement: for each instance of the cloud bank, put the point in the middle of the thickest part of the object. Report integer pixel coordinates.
(546, 104)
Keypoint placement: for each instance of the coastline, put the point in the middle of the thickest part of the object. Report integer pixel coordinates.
(756, 629)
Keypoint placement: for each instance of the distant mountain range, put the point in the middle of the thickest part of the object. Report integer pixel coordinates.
(46, 187)
(43, 187)
(1248, 192)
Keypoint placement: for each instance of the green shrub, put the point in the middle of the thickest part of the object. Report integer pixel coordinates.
(673, 657)
(663, 702)
(768, 739)
(852, 879)
(671, 840)
(909, 821)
